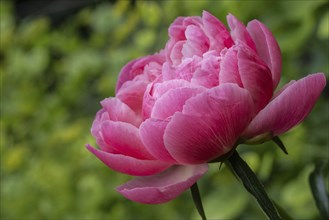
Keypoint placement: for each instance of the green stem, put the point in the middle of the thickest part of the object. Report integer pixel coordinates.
(197, 200)
(252, 185)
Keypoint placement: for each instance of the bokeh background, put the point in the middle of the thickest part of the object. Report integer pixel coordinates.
(58, 59)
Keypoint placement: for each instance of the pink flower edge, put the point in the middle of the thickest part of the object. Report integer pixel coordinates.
(164, 186)
(129, 165)
(290, 107)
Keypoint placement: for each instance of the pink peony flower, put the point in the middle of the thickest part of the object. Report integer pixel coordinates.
(189, 104)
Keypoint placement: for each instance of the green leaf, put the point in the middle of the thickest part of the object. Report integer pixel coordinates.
(197, 200)
(318, 188)
(251, 183)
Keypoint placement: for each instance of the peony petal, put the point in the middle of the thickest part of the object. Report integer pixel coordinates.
(116, 110)
(289, 108)
(207, 74)
(239, 31)
(242, 66)
(176, 29)
(267, 48)
(216, 31)
(229, 70)
(136, 67)
(129, 165)
(156, 90)
(209, 125)
(162, 187)
(168, 72)
(197, 43)
(175, 50)
(187, 68)
(209, 102)
(125, 74)
(173, 101)
(205, 78)
(151, 132)
(192, 20)
(132, 93)
(148, 101)
(101, 116)
(161, 88)
(152, 71)
(125, 139)
(255, 76)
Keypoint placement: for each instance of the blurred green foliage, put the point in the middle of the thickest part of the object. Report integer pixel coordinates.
(52, 79)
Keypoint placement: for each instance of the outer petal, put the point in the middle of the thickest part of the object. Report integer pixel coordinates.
(210, 124)
(125, 139)
(151, 132)
(289, 108)
(267, 48)
(129, 165)
(162, 187)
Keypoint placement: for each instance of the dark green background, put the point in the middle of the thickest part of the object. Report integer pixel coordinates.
(53, 77)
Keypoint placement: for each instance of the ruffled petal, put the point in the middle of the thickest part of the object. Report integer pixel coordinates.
(151, 132)
(129, 165)
(267, 48)
(289, 108)
(209, 125)
(162, 187)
